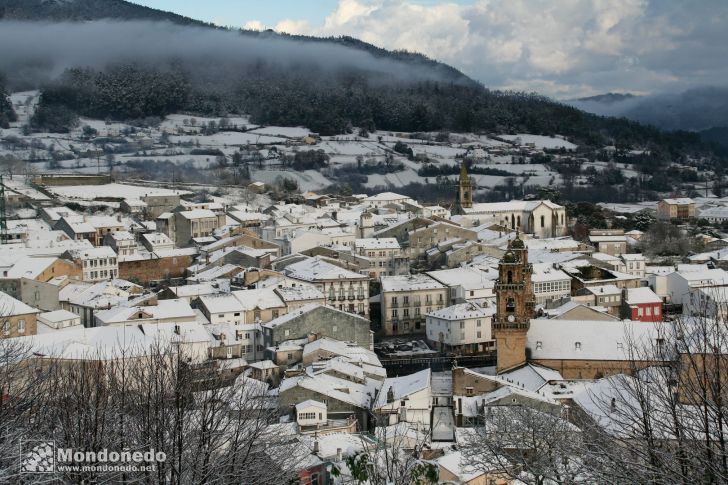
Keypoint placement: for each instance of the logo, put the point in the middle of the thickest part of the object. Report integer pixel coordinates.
(37, 456)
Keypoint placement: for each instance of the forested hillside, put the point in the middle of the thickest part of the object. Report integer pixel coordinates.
(6, 109)
(327, 85)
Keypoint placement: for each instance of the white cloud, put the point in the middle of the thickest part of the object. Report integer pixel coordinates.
(558, 47)
(254, 25)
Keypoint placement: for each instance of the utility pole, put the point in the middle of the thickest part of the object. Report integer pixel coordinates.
(3, 215)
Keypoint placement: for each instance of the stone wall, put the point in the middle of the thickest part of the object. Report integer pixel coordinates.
(145, 271)
(323, 321)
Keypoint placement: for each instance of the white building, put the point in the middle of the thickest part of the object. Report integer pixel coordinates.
(549, 283)
(97, 264)
(463, 328)
(59, 319)
(385, 255)
(682, 286)
(405, 399)
(542, 218)
(311, 413)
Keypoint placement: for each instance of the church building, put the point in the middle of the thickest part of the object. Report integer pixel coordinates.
(577, 349)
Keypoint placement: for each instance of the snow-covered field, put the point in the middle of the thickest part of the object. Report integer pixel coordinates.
(539, 141)
(178, 136)
(126, 191)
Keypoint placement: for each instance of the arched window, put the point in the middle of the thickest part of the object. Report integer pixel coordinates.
(513, 222)
(510, 305)
(510, 277)
(562, 219)
(543, 221)
(518, 221)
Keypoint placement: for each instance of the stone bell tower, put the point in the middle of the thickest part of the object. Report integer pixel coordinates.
(514, 306)
(465, 190)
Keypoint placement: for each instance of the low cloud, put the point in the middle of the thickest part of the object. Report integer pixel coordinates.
(33, 52)
(562, 48)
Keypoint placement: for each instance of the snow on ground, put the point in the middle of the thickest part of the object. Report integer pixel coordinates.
(174, 121)
(540, 141)
(396, 179)
(91, 192)
(289, 132)
(438, 151)
(307, 180)
(226, 138)
(24, 105)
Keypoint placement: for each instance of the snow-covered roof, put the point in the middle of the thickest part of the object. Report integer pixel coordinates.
(464, 311)
(411, 282)
(197, 214)
(57, 316)
(679, 201)
(310, 403)
(468, 278)
(104, 343)
(315, 269)
(163, 310)
(636, 296)
(589, 339)
(221, 303)
(11, 307)
(30, 267)
(374, 243)
(386, 196)
(403, 386)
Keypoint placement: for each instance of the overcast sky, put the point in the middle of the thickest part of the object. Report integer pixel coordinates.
(560, 48)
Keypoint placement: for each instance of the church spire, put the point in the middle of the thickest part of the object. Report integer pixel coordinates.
(465, 188)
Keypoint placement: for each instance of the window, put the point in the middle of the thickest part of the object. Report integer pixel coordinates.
(285, 333)
(405, 300)
(462, 324)
(480, 334)
(21, 326)
(657, 310)
(543, 221)
(539, 345)
(639, 311)
(334, 328)
(394, 313)
(468, 391)
(229, 352)
(479, 322)
(648, 311)
(6, 328)
(577, 346)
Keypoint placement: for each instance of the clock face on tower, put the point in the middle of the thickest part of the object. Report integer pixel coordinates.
(511, 318)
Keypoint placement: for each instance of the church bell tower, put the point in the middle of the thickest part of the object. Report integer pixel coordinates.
(465, 189)
(515, 305)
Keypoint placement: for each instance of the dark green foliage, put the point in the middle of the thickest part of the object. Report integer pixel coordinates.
(432, 170)
(310, 160)
(402, 148)
(122, 92)
(86, 10)
(7, 114)
(55, 118)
